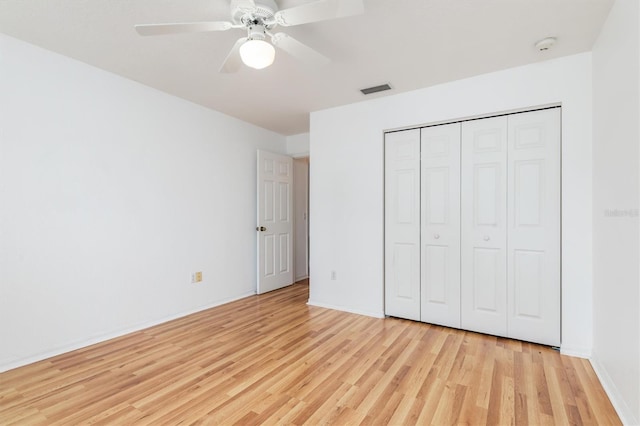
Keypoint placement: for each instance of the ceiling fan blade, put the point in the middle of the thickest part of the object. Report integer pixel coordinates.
(184, 27)
(298, 50)
(248, 5)
(233, 62)
(319, 11)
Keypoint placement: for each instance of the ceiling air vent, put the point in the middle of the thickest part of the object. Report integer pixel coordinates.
(375, 89)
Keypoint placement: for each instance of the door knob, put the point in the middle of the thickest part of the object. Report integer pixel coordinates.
(486, 238)
(436, 236)
(261, 228)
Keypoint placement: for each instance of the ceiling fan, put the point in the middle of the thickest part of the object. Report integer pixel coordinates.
(259, 18)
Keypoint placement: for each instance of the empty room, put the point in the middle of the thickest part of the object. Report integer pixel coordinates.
(319, 212)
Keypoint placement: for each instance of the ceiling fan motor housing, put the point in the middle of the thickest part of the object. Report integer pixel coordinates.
(247, 12)
(256, 32)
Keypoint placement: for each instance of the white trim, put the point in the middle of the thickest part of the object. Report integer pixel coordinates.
(479, 116)
(104, 337)
(575, 352)
(305, 154)
(344, 309)
(624, 412)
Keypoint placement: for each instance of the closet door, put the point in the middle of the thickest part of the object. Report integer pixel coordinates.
(534, 227)
(484, 226)
(440, 235)
(402, 224)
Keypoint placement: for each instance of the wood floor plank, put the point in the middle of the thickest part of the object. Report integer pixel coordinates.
(273, 360)
(596, 396)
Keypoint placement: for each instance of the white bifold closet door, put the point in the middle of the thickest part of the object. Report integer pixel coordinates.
(533, 239)
(484, 226)
(440, 227)
(402, 224)
(472, 225)
(510, 263)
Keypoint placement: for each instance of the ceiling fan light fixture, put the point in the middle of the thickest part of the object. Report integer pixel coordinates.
(257, 54)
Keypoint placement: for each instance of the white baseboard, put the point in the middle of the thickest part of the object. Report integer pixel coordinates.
(624, 412)
(345, 309)
(108, 336)
(576, 352)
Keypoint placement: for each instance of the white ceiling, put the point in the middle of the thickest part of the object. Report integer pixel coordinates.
(409, 43)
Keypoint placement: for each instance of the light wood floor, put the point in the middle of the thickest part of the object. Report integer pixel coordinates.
(272, 359)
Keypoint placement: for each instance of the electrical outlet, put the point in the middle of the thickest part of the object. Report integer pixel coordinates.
(333, 275)
(196, 277)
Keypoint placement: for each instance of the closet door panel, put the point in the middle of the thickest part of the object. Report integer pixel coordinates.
(440, 231)
(402, 224)
(534, 227)
(484, 226)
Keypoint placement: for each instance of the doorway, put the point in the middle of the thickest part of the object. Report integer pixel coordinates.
(300, 218)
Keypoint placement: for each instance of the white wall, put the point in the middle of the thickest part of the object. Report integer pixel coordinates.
(616, 192)
(111, 194)
(298, 145)
(347, 181)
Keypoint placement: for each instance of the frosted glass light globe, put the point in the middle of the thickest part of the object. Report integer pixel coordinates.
(257, 54)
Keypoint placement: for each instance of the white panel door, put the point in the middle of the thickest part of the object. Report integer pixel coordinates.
(440, 235)
(484, 226)
(534, 227)
(275, 224)
(402, 224)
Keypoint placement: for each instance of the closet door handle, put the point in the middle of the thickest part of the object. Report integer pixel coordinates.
(436, 236)
(486, 238)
